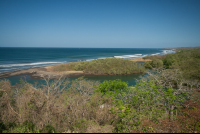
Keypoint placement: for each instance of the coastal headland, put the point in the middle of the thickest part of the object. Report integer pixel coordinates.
(46, 72)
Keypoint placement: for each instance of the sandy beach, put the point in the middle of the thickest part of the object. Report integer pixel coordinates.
(45, 72)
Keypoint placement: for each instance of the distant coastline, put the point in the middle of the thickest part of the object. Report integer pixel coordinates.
(176, 48)
(12, 59)
(43, 72)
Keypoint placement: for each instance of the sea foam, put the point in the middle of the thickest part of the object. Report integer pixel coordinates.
(29, 64)
(129, 56)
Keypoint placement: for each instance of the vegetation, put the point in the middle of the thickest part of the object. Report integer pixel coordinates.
(167, 101)
(185, 60)
(155, 63)
(110, 66)
(161, 102)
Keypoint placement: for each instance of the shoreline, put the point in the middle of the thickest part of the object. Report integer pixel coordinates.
(43, 72)
(40, 73)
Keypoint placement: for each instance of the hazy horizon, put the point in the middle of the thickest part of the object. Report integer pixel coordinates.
(83, 47)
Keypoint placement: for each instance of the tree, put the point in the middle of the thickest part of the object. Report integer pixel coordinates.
(147, 65)
(156, 63)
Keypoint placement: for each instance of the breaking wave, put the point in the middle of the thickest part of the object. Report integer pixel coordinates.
(29, 64)
(18, 66)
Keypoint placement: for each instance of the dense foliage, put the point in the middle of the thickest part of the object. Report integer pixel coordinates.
(155, 63)
(186, 60)
(111, 66)
(158, 103)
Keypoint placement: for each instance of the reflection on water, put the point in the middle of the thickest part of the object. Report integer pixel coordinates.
(131, 79)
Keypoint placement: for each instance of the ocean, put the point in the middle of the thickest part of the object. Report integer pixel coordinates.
(23, 58)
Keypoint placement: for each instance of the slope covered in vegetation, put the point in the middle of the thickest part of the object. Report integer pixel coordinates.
(162, 102)
(110, 66)
(186, 60)
(165, 101)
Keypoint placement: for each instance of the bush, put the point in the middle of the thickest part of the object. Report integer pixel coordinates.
(155, 63)
(25, 127)
(48, 129)
(115, 85)
(169, 60)
(147, 65)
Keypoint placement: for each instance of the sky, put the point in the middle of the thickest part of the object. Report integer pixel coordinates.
(100, 23)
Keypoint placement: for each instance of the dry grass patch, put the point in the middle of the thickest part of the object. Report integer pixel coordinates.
(64, 68)
(140, 60)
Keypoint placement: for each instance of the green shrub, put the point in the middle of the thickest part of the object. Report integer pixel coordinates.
(2, 127)
(48, 129)
(25, 127)
(169, 60)
(112, 86)
(147, 65)
(156, 63)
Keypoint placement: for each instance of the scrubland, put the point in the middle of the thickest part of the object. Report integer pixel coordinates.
(166, 101)
(108, 66)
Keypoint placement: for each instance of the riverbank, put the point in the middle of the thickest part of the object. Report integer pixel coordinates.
(41, 73)
(47, 72)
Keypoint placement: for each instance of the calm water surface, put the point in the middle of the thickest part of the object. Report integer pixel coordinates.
(126, 78)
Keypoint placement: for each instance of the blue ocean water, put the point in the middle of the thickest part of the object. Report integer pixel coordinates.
(23, 58)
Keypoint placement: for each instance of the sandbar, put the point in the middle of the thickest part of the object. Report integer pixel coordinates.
(45, 72)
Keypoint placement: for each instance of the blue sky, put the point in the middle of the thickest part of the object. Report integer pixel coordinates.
(100, 23)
